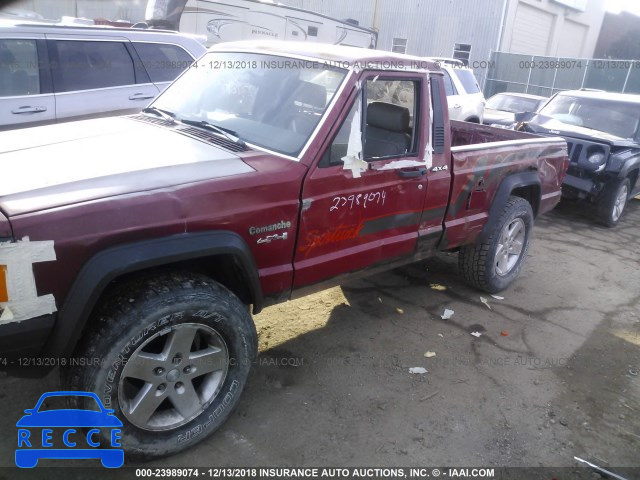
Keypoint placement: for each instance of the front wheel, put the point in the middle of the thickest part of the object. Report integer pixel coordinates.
(496, 262)
(171, 355)
(613, 201)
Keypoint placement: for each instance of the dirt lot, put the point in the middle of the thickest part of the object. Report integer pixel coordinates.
(333, 388)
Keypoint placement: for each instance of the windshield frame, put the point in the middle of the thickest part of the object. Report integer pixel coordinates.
(635, 137)
(349, 72)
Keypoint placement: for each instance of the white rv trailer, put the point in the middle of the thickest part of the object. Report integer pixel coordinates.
(230, 20)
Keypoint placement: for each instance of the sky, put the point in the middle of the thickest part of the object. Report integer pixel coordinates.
(617, 5)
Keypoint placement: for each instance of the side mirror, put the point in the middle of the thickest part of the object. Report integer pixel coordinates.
(29, 411)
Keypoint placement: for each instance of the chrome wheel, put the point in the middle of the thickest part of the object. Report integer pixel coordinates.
(173, 376)
(621, 201)
(510, 246)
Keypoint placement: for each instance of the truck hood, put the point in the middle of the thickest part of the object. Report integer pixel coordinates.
(544, 125)
(45, 167)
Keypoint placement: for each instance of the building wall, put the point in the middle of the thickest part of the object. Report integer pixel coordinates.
(545, 27)
(431, 27)
(616, 28)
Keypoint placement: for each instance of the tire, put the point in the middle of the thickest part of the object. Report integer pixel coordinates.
(171, 355)
(482, 264)
(612, 203)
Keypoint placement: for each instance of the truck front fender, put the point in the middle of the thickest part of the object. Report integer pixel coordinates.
(630, 169)
(518, 181)
(109, 264)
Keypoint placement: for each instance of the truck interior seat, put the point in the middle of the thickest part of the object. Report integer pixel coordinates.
(386, 132)
(299, 106)
(310, 100)
(310, 96)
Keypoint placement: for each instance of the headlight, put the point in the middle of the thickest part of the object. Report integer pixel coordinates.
(596, 156)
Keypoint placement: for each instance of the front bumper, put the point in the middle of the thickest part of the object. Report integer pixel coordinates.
(21, 344)
(583, 184)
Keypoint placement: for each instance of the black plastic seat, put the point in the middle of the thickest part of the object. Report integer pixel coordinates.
(387, 127)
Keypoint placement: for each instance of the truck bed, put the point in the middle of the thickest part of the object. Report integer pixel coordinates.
(484, 157)
(465, 133)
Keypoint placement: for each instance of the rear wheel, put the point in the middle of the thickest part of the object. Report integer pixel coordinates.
(613, 201)
(174, 353)
(496, 262)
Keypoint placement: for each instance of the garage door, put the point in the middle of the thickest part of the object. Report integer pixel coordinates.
(531, 30)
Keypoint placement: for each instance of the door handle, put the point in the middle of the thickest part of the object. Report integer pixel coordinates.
(141, 96)
(456, 106)
(412, 173)
(29, 109)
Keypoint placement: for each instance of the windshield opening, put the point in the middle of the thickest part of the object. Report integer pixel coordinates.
(268, 101)
(614, 118)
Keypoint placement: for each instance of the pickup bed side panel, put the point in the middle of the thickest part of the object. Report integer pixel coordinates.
(508, 162)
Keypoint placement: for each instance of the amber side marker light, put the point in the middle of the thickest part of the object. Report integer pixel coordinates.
(4, 294)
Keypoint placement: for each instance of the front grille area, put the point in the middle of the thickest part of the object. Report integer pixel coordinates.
(574, 151)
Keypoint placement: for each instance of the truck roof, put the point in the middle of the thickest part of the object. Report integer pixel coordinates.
(349, 56)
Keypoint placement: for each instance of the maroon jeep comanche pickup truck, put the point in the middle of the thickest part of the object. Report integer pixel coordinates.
(132, 247)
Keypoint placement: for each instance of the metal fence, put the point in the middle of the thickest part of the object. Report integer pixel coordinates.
(511, 72)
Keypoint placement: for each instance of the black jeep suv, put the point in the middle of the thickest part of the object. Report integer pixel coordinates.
(602, 131)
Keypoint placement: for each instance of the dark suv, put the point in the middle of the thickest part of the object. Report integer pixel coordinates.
(602, 131)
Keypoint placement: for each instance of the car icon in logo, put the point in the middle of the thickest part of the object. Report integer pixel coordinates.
(77, 433)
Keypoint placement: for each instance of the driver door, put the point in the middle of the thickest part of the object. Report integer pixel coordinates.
(362, 202)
